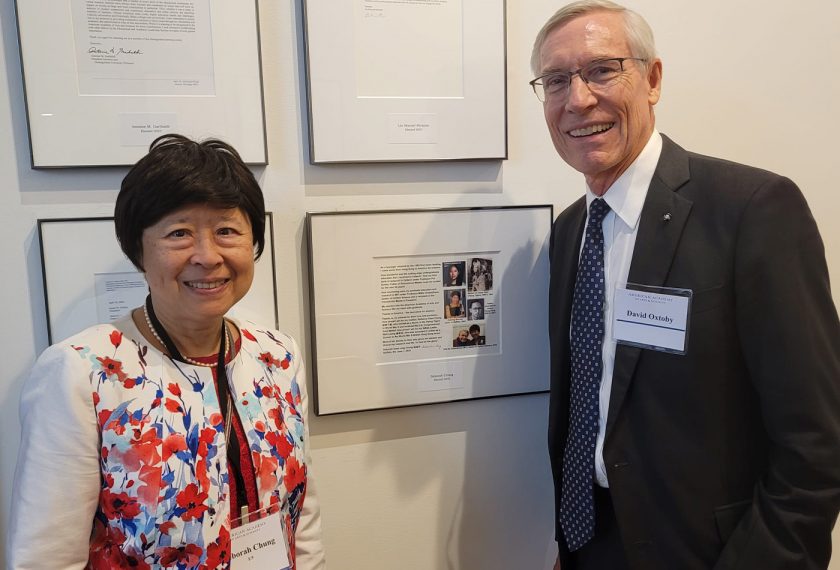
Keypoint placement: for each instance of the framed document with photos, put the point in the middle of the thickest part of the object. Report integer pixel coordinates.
(405, 80)
(104, 78)
(416, 307)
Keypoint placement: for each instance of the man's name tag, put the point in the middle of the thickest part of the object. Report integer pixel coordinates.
(259, 545)
(652, 317)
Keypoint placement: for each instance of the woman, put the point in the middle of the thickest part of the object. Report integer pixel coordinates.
(453, 309)
(455, 278)
(144, 438)
(480, 278)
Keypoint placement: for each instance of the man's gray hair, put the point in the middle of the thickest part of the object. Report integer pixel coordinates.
(638, 32)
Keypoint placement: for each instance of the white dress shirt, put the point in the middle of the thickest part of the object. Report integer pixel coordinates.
(626, 197)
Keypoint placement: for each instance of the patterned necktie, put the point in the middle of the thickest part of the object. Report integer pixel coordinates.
(577, 509)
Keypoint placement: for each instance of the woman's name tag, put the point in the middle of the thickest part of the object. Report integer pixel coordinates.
(259, 545)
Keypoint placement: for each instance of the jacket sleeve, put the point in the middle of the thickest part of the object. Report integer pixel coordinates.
(309, 547)
(57, 480)
(790, 337)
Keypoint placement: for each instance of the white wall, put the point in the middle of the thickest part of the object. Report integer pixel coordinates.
(464, 485)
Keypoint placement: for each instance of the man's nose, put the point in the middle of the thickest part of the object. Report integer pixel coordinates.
(579, 97)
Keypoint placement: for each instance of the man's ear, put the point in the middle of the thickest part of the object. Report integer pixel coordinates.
(654, 79)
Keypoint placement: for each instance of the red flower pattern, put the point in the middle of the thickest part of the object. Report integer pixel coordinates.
(188, 555)
(149, 492)
(193, 501)
(280, 443)
(173, 406)
(145, 451)
(118, 505)
(218, 552)
(112, 368)
(173, 444)
(269, 360)
(295, 474)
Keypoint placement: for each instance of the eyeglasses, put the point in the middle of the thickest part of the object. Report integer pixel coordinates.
(597, 74)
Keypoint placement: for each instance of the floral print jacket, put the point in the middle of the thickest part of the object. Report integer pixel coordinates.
(123, 461)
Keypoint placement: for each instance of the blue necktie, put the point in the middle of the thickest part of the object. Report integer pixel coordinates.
(577, 509)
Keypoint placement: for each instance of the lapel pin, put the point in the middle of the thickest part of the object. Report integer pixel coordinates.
(666, 217)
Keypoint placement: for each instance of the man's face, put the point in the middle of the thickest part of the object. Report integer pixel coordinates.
(463, 335)
(599, 131)
(475, 310)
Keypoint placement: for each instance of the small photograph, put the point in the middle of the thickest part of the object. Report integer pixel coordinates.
(453, 274)
(476, 334)
(453, 307)
(481, 274)
(475, 309)
(471, 335)
(462, 337)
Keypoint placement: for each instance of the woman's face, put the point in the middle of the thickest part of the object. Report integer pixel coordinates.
(199, 261)
(463, 335)
(455, 299)
(476, 265)
(453, 272)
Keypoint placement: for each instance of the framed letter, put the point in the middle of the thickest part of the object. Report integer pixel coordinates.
(104, 78)
(406, 80)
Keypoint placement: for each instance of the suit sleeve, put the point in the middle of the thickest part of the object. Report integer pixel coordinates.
(790, 337)
(57, 481)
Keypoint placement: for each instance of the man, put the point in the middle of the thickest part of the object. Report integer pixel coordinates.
(720, 449)
(462, 340)
(476, 337)
(476, 310)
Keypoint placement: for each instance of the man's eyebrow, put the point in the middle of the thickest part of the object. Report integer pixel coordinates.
(552, 70)
(595, 59)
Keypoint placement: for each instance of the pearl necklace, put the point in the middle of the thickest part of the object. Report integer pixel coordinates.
(228, 341)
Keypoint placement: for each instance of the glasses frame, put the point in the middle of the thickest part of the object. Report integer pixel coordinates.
(579, 72)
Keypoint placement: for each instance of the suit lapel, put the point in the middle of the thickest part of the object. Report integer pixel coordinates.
(565, 268)
(661, 225)
(566, 239)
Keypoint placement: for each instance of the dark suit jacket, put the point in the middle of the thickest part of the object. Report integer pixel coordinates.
(727, 456)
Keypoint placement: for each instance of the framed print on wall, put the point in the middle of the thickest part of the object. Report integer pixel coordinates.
(423, 306)
(88, 279)
(103, 78)
(405, 80)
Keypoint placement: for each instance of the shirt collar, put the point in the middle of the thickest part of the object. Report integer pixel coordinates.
(626, 196)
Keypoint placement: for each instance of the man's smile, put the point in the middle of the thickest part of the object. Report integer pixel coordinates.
(590, 130)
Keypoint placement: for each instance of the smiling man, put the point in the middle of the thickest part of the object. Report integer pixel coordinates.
(714, 441)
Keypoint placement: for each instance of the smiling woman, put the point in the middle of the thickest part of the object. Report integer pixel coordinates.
(199, 262)
(163, 428)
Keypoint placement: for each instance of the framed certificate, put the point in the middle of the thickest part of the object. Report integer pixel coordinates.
(422, 306)
(104, 78)
(406, 80)
(88, 279)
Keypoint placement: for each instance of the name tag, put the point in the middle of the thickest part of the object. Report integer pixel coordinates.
(259, 545)
(655, 318)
